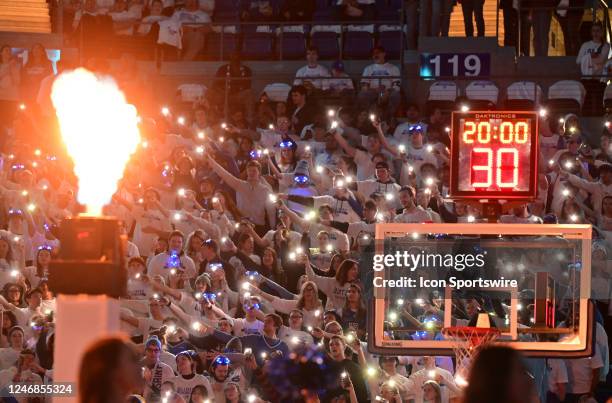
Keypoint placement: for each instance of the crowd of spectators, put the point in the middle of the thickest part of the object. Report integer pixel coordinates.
(246, 233)
(183, 25)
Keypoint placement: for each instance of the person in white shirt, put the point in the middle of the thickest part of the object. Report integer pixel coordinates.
(23, 315)
(187, 378)
(175, 259)
(431, 372)
(557, 379)
(341, 84)
(411, 212)
(583, 376)
(9, 355)
(311, 76)
(155, 372)
(520, 215)
(383, 184)
(295, 335)
(380, 84)
(598, 189)
(594, 53)
(195, 23)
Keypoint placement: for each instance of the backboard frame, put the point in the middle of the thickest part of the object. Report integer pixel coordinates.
(583, 347)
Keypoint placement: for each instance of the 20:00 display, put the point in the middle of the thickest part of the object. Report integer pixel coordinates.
(509, 133)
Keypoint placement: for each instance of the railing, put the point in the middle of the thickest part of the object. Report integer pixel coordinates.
(277, 29)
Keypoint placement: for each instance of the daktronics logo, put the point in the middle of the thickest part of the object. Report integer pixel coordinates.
(424, 260)
(495, 116)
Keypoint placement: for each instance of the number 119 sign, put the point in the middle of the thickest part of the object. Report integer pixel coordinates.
(494, 155)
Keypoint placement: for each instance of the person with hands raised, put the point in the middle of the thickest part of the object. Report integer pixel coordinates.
(307, 302)
(24, 315)
(335, 288)
(141, 325)
(598, 190)
(363, 159)
(251, 194)
(152, 219)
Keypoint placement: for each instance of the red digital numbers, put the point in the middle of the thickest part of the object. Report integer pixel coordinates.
(495, 166)
(494, 155)
(509, 133)
(501, 165)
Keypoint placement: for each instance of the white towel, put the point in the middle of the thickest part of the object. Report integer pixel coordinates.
(170, 33)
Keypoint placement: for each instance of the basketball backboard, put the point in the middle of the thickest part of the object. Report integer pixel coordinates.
(533, 280)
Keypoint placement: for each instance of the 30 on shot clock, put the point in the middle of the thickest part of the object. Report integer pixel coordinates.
(494, 155)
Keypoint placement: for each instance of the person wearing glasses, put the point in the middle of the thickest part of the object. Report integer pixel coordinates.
(187, 377)
(155, 372)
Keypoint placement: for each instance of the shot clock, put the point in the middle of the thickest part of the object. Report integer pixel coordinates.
(494, 155)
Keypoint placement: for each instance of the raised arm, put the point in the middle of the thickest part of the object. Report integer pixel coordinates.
(383, 139)
(174, 293)
(180, 314)
(350, 150)
(227, 177)
(132, 320)
(7, 304)
(295, 218)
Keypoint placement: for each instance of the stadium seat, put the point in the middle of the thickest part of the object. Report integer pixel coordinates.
(442, 95)
(258, 46)
(482, 94)
(277, 92)
(357, 45)
(327, 44)
(523, 96)
(213, 46)
(566, 96)
(293, 45)
(392, 42)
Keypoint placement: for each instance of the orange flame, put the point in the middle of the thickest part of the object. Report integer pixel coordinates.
(100, 130)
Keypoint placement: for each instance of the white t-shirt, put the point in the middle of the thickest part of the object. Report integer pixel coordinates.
(8, 357)
(243, 327)
(448, 389)
(161, 373)
(557, 373)
(148, 218)
(294, 238)
(418, 215)
(184, 386)
(367, 187)
(158, 266)
(365, 166)
(295, 338)
(380, 71)
(587, 48)
(580, 372)
(307, 72)
(191, 17)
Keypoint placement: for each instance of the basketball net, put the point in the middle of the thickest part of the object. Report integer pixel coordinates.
(467, 342)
